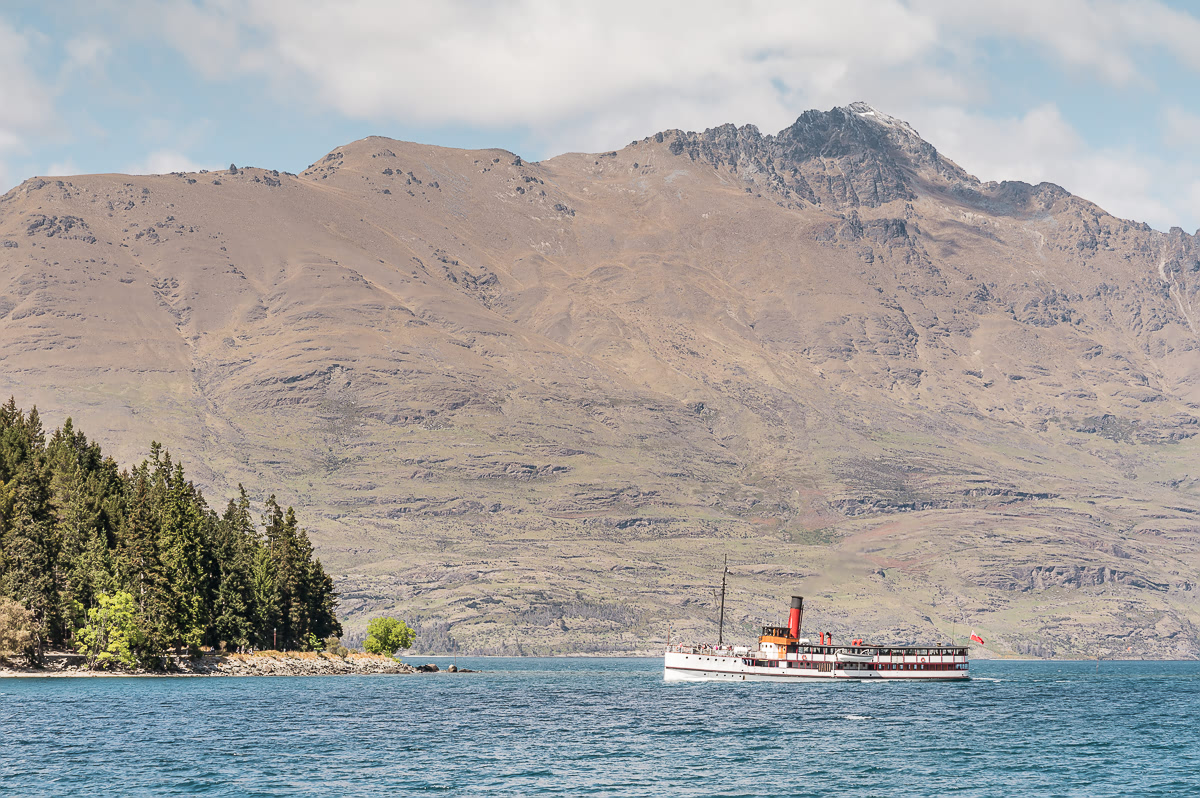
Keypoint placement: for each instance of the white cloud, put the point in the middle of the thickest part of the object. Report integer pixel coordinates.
(1042, 146)
(25, 105)
(10, 141)
(594, 76)
(1103, 37)
(62, 169)
(1024, 148)
(539, 64)
(1181, 129)
(161, 162)
(85, 53)
(542, 64)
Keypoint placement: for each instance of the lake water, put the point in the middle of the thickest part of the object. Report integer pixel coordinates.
(608, 727)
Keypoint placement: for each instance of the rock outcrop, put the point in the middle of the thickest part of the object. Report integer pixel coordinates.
(843, 158)
(269, 663)
(285, 664)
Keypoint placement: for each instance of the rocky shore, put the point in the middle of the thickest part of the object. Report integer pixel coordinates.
(291, 664)
(265, 663)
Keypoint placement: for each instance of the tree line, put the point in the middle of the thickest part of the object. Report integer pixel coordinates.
(82, 539)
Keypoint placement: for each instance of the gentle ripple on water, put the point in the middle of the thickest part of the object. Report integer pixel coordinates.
(608, 727)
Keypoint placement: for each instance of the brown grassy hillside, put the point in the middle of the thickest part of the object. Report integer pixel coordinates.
(539, 401)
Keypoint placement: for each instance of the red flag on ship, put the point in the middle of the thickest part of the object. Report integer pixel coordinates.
(976, 638)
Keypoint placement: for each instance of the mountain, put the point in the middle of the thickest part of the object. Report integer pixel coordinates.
(531, 406)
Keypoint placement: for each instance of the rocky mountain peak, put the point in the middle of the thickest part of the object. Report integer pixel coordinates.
(868, 114)
(842, 158)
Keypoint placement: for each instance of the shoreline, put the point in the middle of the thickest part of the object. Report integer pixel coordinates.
(285, 664)
(273, 663)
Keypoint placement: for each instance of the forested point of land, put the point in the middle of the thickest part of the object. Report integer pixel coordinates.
(128, 565)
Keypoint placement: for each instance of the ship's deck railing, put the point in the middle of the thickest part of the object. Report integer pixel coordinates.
(712, 651)
(884, 653)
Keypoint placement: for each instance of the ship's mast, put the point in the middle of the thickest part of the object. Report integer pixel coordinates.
(721, 623)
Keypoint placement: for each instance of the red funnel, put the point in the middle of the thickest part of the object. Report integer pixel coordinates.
(794, 616)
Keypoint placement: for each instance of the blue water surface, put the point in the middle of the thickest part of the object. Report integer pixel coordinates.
(608, 727)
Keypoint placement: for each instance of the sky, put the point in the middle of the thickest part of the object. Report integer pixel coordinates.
(1099, 96)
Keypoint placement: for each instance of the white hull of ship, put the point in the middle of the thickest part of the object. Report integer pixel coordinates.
(679, 667)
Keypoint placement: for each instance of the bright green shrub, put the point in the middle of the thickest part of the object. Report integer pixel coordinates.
(111, 636)
(387, 636)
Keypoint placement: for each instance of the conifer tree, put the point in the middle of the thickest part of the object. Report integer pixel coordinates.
(266, 598)
(140, 570)
(83, 565)
(182, 548)
(27, 548)
(293, 578)
(234, 545)
(322, 601)
(76, 534)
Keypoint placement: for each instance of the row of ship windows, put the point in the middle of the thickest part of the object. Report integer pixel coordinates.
(869, 666)
(898, 652)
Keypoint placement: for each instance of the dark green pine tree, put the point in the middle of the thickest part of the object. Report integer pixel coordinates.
(234, 543)
(322, 600)
(271, 577)
(74, 528)
(305, 592)
(83, 536)
(184, 555)
(27, 548)
(267, 616)
(139, 567)
(294, 578)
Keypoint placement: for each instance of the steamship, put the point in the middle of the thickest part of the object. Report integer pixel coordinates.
(783, 655)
